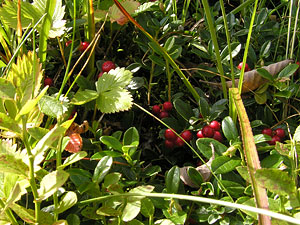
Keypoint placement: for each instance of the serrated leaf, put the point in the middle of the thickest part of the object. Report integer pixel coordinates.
(7, 89)
(147, 6)
(67, 201)
(52, 107)
(117, 16)
(9, 163)
(224, 164)
(50, 184)
(82, 97)
(7, 123)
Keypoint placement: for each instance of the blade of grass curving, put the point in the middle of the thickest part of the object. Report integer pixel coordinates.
(289, 30)
(213, 35)
(196, 199)
(162, 51)
(44, 33)
(247, 47)
(250, 152)
(295, 31)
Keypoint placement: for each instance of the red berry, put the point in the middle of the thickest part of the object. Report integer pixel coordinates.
(68, 43)
(207, 131)
(163, 114)
(170, 135)
(169, 144)
(100, 74)
(241, 65)
(83, 46)
(179, 142)
(274, 139)
(267, 131)
(156, 109)
(187, 135)
(199, 134)
(280, 132)
(167, 106)
(215, 125)
(218, 136)
(107, 66)
(48, 81)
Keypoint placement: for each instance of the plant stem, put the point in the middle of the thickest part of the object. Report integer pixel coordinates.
(9, 214)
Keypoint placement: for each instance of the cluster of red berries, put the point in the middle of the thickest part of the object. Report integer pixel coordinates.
(211, 131)
(164, 111)
(106, 67)
(172, 140)
(247, 68)
(277, 135)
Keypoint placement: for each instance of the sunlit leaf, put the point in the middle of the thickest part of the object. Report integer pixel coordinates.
(117, 16)
(67, 201)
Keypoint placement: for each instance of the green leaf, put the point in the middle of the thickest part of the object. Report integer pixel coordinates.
(135, 222)
(224, 164)
(235, 49)
(7, 123)
(261, 98)
(195, 176)
(7, 89)
(131, 210)
(9, 163)
(111, 142)
(53, 107)
(276, 181)
(297, 134)
(73, 158)
(131, 137)
(272, 161)
(204, 107)
(204, 146)
(50, 184)
(183, 109)
(265, 74)
(260, 138)
(111, 178)
(173, 179)
(288, 71)
(147, 207)
(102, 169)
(100, 155)
(84, 96)
(229, 129)
(67, 201)
(2, 64)
(73, 219)
(169, 43)
(108, 211)
(265, 49)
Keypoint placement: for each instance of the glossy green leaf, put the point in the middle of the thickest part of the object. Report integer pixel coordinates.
(100, 155)
(108, 211)
(83, 96)
(169, 43)
(50, 184)
(265, 49)
(235, 49)
(147, 207)
(288, 71)
(131, 210)
(111, 142)
(102, 169)
(184, 109)
(134, 222)
(225, 164)
(7, 89)
(229, 129)
(173, 179)
(235, 189)
(265, 74)
(204, 107)
(195, 176)
(73, 219)
(260, 138)
(272, 161)
(75, 157)
(111, 178)
(276, 181)
(261, 98)
(68, 200)
(131, 137)
(204, 146)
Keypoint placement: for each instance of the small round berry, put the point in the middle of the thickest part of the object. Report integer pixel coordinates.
(169, 144)
(107, 66)
(163, 114)
(100, 74)
(179, 142)
(267, 131)
(83, 46)
(48, 81)
(215, 125)
(156, 109)
(207, 131)
(241, 65)
(199, 134)
(187, 135)
(167, 106)
(280, 132)
(68, 43)
(170, 135)
(218, 136)
(275, 138)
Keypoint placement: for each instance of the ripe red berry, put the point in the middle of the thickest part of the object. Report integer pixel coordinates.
(199, 134)
(169, 144)
(170, 135)
(163, 114)
(179, 142)
(83, 46)
(156, 109)
(274, 139)
(187, 135)
(267, 131)
(215, 125)
(107, 66)
(167, 106)
(68, 43)
(218, 136)
(280, 132)
(100, 74)
(48, 81)
(207, 131)
(241, 65)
